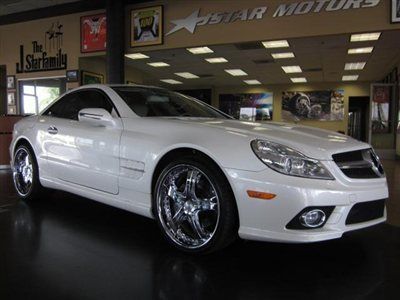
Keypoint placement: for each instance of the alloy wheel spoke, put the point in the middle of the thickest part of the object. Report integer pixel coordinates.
(179, 216)
(190, 186)
(198, 229)
(174, 194)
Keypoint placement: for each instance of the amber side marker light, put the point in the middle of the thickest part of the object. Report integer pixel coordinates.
(261, 195)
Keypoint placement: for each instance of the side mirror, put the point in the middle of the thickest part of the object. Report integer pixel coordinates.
(96, 117)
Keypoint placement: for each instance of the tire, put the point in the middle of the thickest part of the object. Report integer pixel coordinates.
(194, 206)
(26, 174)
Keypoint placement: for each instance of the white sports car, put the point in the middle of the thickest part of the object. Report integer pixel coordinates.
(205, 177)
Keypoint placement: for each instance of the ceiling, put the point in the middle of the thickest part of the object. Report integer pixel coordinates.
(8, 7)
(322, 59)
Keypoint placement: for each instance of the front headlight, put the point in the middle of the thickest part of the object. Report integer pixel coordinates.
(288, 161)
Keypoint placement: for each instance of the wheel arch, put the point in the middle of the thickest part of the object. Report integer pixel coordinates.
(22, 141)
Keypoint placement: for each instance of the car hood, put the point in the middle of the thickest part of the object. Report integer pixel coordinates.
(312, 142)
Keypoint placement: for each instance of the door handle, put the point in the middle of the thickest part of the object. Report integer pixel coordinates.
(52, 130)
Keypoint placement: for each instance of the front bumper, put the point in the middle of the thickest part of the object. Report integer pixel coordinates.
(266, 220)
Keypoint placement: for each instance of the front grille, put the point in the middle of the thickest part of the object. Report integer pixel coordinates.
(359, 164)
(366, 211)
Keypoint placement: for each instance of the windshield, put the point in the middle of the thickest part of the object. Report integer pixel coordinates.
(154, 102)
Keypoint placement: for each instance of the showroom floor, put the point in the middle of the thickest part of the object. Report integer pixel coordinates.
(67, 247)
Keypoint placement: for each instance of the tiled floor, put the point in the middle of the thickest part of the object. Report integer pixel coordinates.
(67, 247)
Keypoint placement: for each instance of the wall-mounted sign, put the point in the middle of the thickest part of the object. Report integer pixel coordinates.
(316, 105)
(146, 26)
(93, 33)
(191, 22)
(47, 56)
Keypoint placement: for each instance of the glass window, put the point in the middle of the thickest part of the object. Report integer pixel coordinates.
(69, 106)
(38, 94)
(153, 102)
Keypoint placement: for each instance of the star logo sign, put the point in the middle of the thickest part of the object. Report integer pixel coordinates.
(189, 23)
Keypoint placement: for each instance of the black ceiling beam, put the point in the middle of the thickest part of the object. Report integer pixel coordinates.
(59, 10)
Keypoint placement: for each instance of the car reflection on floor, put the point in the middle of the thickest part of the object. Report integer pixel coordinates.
(70, 246)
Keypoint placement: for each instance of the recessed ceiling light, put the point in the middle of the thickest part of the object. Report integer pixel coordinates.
(298, 79)
(216, 60)
(236, 72)
(171, 81)
(350, 77)
(292, 69)
(187, 75)
(362, 37)
(282, 55)
(276, 44)
(252, 81)
(136, 56)
(360, 50)
(355, 65)
(199, 50)
(158, 64)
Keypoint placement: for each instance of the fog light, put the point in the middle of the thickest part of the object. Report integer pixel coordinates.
(313, 218)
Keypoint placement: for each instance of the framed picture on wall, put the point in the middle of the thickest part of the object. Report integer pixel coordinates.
(395, 11)
(11, 110)
(93, 33)
(147, 26)
(11, 82)
(91, 78)
(325, 105)
(72, 75)
(11, 98)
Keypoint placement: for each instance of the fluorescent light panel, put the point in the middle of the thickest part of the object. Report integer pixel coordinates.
(187, 75)
(199, 50)
(350, 77)
(276, 44)
(216, 60)
(158, 64)
(291, 69)
(354, 66)
(236, 72)
(136, 56)
(282, 55)
(360, 50)
(171, 81)
(363, 37)
(252, 81)
(298, 79)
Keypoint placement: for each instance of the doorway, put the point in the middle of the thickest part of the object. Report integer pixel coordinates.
(37, 94)
(358, 118)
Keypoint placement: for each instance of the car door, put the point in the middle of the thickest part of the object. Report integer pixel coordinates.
(81, 153)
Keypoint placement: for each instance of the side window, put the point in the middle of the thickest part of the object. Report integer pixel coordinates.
(95, 99)
(67, 107)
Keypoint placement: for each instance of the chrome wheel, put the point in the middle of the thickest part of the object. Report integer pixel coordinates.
(23, 171)
(187, 206)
